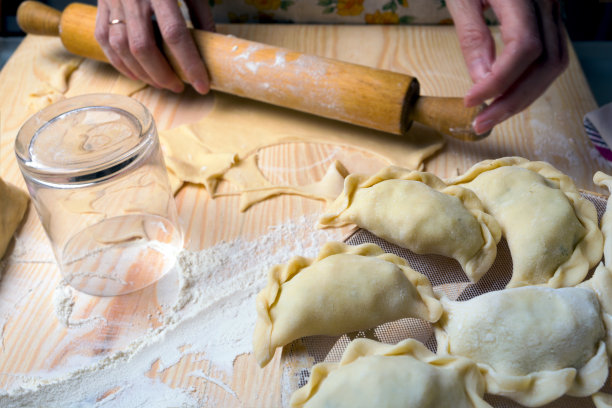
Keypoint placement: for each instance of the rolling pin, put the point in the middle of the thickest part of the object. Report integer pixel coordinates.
(360, 95)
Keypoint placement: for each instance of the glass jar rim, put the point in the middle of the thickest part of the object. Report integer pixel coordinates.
(102, 167)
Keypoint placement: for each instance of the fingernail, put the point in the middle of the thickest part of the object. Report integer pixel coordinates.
(469, 100)
(481, 127)
(201, 86)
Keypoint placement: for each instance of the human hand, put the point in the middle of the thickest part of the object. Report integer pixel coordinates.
(534, 54)
(130, 45)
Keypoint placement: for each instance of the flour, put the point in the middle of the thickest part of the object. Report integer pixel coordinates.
(200, 374)
(63, 304)
(212, 319)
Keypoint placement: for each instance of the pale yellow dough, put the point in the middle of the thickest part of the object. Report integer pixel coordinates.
(604, 180)
(346, 288)
(602, 400)
(603, 284)
(408, 375)
(223, 145)
(204, 152)
(418, 211)
(533, 344)
(53, 68)
(13, 204)
(551, 229)
(254, 187)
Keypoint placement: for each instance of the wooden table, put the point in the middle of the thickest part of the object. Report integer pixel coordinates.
(32, 338)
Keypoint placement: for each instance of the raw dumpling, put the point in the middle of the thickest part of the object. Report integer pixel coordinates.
(347, 288)
(13, 204)
(406, 375)
(604, 180)
(418, 211)
(602, 400)
(533, 344)
(551, 229)
(601, 282)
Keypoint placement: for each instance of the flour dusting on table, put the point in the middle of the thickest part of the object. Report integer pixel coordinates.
(212, 319)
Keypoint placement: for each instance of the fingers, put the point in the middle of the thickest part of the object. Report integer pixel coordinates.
(102, 34)
(522, 46)
(143, 49)
(114, 39)
(535, 53)
(180, 42)
(537, 78)
(475, 37)
(130, 45)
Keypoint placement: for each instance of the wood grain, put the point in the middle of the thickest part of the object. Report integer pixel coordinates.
(34, 340)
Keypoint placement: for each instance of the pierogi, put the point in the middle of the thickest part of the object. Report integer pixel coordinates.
(418, 211)
(346, 288)
(533, 344)
(552, 231)
(406, 375)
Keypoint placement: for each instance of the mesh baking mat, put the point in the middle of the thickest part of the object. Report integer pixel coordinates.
(446, 275)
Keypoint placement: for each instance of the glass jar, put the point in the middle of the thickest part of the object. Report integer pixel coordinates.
(94, 169)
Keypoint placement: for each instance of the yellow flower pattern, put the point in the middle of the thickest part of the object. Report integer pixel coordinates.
(333, 11)
(387, 17)
(350, 7)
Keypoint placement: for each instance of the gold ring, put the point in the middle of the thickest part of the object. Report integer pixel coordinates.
(116, 21)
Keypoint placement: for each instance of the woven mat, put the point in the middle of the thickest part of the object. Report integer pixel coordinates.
(445, 274)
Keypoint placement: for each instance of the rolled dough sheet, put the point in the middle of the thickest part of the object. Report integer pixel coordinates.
(52, 67)
(13, 204)
(205, 151)
(224, 144)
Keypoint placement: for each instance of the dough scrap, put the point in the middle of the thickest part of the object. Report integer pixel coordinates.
(533, 344)
(345, 289)
(418, 211)
(13, 204)
(373, 374)
(254, 187)
(551, 229)
(203, 152)
(52, 67)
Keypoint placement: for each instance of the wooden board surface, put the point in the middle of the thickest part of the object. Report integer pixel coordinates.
(33, 339)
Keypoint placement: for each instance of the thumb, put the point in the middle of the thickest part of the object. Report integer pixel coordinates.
(474, 36)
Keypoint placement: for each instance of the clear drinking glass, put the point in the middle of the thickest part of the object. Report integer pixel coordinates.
(96, 175)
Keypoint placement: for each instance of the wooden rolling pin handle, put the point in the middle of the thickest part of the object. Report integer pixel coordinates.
(448, 116)
(37, 18)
